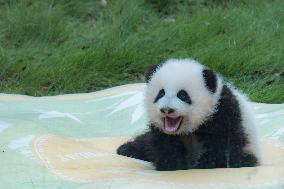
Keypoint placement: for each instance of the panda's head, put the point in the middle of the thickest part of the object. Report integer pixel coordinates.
(180, 95)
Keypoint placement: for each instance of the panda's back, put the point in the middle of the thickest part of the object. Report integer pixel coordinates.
(230, 130)
(249, 125)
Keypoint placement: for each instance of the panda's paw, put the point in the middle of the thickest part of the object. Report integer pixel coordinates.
(166, 164)
(126, 150)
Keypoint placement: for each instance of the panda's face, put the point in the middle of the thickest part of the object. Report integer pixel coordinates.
(178, 98)
(174, 106)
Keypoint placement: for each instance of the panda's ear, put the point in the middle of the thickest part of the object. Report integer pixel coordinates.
(150, 71)
(210, 79)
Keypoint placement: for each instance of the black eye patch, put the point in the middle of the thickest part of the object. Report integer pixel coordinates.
(182, 95)
(160, 95)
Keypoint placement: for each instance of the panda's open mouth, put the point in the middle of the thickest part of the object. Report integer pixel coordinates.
(172, 124)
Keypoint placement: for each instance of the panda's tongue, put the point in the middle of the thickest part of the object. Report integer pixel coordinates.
(172, 124)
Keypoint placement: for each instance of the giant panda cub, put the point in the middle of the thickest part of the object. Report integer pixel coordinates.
(196, 121)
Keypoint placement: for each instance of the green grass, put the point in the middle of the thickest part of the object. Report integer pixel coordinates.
(50, 47)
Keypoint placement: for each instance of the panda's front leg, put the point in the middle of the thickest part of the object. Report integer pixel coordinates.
(168, 153)
(137, 148)
(170, 163)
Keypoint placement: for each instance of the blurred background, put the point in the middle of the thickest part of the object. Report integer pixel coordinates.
(50, 47)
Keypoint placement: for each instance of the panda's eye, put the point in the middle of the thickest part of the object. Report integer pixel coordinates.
(182, 95)
(160, 95)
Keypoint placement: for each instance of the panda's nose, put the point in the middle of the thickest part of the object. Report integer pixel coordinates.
(167, 110)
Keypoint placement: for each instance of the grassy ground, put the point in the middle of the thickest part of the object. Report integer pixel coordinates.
(50, 47)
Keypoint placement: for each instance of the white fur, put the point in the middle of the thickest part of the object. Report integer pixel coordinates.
(173, 76)
(177, 74)
(249, 125)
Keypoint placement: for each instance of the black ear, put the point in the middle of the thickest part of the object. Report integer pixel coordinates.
(210, 79)
(151, 70)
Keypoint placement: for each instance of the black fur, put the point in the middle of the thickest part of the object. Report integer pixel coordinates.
(182, 95)
(223, 136)
(151, 70)
(218, 143)
(210, 80)
(159, 95)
